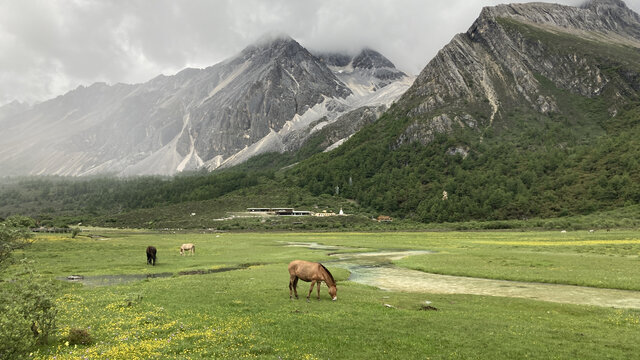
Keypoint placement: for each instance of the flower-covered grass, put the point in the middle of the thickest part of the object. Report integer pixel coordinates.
(247, 313)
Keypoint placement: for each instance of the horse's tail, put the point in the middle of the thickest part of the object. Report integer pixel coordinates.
(330, 276)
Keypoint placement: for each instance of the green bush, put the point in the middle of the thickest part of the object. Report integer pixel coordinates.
(27, 313)
(27, 309)
(11, 238)
(32, 297)
(16, 337)
(17, 221)
(79, 337)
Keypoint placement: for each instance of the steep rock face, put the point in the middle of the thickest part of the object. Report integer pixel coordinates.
(196, 118)
(368, 70)
(335, 59)
(600, 16)
(502, 58)
(369, 59)
(12, 108)
(375, 85)
(282, 80)
(50, 135)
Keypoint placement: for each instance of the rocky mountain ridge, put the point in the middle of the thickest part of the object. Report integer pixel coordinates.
(374, 83)
(533, 112)
(196, 118)
(495, 64)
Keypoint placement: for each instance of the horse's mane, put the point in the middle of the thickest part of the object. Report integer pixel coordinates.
(329, 272)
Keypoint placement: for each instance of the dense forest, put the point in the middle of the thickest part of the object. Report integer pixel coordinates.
(54, 195)
(505, 181)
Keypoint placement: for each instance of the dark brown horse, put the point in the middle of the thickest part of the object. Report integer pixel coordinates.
(151, 255)
(310, 271)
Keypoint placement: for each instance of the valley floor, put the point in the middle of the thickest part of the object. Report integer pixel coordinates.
(236, 303)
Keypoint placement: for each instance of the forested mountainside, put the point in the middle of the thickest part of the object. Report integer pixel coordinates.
(533, 112)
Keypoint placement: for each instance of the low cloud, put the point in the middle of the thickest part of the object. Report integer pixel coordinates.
(50, 47)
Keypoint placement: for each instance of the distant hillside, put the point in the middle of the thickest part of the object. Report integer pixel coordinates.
(268, 98)
(533, 112)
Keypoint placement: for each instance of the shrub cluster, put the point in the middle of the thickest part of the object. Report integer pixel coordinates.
(27, 310)
(79, 337)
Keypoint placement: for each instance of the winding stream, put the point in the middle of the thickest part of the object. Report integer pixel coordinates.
(107, 280)
(398, 279)
(375, 269)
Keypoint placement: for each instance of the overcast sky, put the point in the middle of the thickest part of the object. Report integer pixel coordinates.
(49, 47)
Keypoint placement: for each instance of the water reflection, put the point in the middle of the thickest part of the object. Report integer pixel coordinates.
(107, 280)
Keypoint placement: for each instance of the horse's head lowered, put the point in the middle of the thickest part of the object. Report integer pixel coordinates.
(313, 272)
(331, 283)
(333, 292)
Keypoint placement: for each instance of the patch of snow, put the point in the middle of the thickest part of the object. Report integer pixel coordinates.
(214, 163)
(369, 95)
(272, 142)
(319, 126)
(336, 144)
(192, 160)
(347, 69)
(299, 122)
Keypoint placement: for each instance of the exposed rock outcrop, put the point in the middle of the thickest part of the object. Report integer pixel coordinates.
(197, 118)
(503, 57)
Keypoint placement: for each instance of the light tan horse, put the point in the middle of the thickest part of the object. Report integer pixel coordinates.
(310, 271)
(188, 247)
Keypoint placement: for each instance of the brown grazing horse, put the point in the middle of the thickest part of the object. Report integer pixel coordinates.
(151, 255)
(188, 247)
(310, 271)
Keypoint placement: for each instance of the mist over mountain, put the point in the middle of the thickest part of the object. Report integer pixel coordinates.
(199, 118)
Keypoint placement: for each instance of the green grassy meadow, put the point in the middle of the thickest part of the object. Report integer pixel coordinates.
(246, 313)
